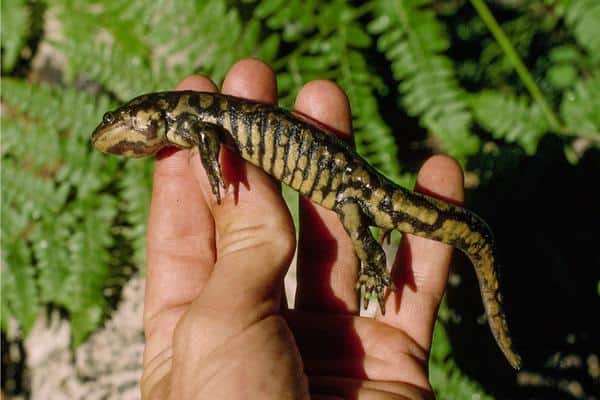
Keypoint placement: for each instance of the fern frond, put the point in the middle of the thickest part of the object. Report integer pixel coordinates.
(48, 242)
(135, 193)
(447, 380)
(294, 20)
(580, 108)
(413, 40)
(565, 60)
(510, 118)
(202, 43)
(89, 258)
(53, 182)
(336, 54)
(100, 39)
(15, 28)
(583, 17)
(132, 40)
(73, 260)
(13, 224)
(28, 193)
(373, 137)
(28, 202)
(66, 153)
(19, 292)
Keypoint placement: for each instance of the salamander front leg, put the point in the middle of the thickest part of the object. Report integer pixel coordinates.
(191, 132)
(374, 277)
(209, 148)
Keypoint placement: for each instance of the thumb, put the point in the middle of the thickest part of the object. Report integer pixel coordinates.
(255, 244)
(255, 237)
(233, 324)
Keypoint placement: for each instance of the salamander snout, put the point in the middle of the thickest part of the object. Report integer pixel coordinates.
(129, 134)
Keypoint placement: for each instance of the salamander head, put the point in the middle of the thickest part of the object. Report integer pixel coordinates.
(131, 131)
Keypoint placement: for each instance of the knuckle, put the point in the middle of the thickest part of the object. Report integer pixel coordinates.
(276, 240)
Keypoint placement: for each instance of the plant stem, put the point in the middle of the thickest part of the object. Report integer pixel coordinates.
(511, 54)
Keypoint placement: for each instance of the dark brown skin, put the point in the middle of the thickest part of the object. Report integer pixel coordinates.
(305, 206)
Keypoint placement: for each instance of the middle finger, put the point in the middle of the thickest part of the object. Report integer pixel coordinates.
(327, 266)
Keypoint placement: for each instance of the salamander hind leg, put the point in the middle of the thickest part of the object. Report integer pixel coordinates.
(374, 277)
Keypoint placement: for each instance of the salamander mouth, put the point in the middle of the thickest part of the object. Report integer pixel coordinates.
(106, 135)
(96, 134)
(121, 139)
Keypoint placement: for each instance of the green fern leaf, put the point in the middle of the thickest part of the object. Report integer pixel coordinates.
(132, 41)
(101, 39)
(203, 44)
(583, 17)
(580, 107)
(336, 54)
(53, 259)
(510, 118)
(52, 181)
(19, 292)
(27, 202)
(89, 257)
(84, 320)
(30, 194)
(447, 380)
(135, 192)
(295, 20)
(62, 156)
(15, 25)
(412, 39)
(13, 222)
(372, 136)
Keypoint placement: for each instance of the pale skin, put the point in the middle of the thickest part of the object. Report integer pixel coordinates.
(215, 321)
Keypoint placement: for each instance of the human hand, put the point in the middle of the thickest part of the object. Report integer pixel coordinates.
(215, 322)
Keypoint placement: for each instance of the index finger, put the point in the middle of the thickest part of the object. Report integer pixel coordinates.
(181, 238)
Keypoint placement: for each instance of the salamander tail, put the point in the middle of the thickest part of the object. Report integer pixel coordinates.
(431, 218)
(486, 270)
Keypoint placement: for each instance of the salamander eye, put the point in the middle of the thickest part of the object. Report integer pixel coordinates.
(108, 118)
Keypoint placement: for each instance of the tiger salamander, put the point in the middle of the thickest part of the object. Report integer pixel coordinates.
(318, 165)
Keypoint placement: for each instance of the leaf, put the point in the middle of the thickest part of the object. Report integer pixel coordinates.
(135, 194)
(269, 48)
(510, 118)
(131, 40)
(336, 54)
(583, 17)
(566, 54)
(357, 37)
(579, 107)
(562, 75)
(267, 8)
(15, 29)
(447, 380)
(88, 263)
(412, 39)
(53, 261)
(19, 292)
(84, 321)
(51, 197)
(192, 41)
